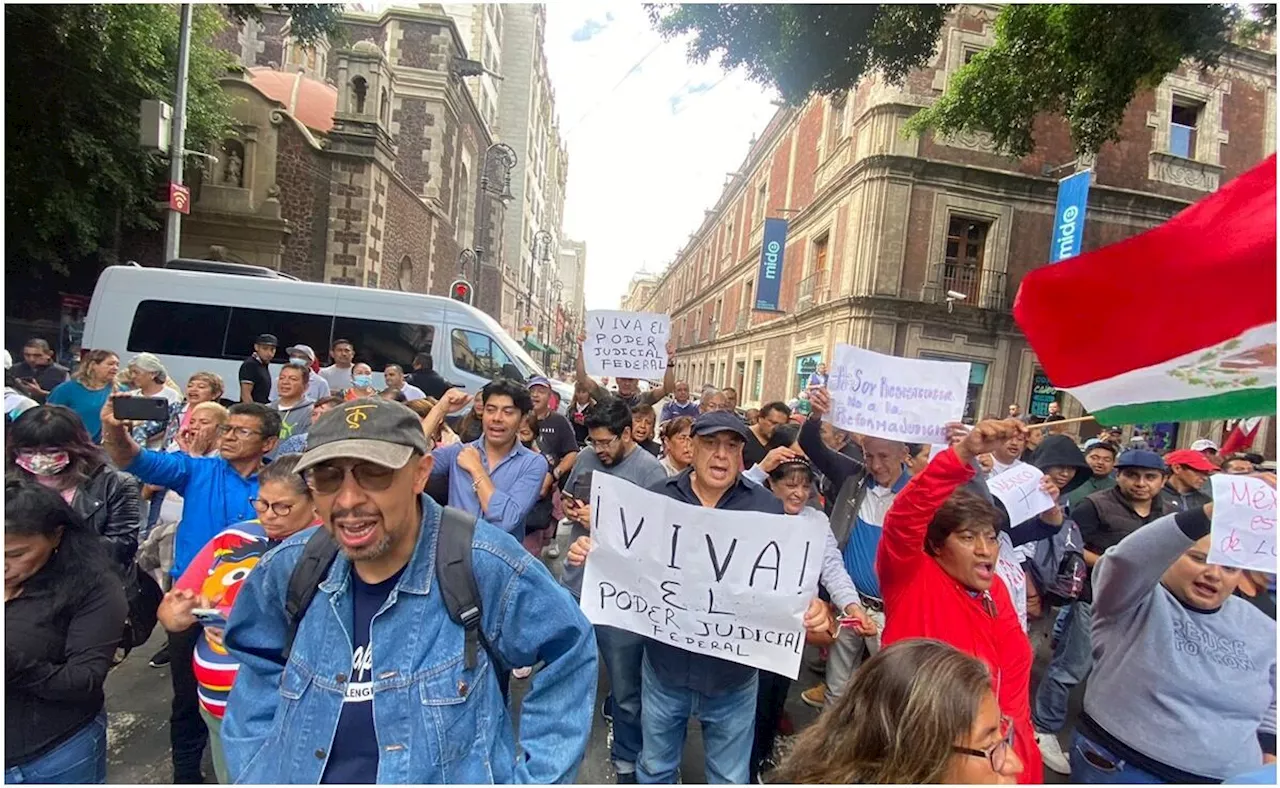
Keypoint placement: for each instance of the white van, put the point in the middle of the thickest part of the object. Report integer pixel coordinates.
(206, 320)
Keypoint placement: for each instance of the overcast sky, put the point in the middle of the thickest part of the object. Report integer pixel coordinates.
(650, 137)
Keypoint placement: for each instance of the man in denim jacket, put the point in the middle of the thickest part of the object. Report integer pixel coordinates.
(375, 688)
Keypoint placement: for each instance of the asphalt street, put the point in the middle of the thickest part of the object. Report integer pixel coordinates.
(138, 698)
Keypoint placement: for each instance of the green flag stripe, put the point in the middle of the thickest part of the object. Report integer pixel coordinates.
(1231, 405)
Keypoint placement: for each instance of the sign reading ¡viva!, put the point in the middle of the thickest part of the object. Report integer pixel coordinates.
(773, 245)
(727, 584)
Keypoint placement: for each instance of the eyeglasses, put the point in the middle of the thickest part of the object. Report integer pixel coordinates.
(997, 753)
(598, 445)
(279, 509)
(327, 479)
(240, 432)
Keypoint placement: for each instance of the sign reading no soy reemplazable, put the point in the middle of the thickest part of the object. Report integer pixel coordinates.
(733, 585)
(901, 399)
(626, 344)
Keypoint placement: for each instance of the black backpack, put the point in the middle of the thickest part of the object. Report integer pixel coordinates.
(143, 595)
(1058, 568)
(453, 570)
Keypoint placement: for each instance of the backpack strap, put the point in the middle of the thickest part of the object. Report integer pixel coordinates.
(308, 574)
(458, 582)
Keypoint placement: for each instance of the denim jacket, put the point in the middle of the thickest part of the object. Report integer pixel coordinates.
(435, 721)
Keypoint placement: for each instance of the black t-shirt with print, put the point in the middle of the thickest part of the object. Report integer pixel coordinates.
(354, 755)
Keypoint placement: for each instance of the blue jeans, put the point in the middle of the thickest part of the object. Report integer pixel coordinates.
(1072, 661)
(728, 724)
(1093, 764)
(623, 653)
(80, 759)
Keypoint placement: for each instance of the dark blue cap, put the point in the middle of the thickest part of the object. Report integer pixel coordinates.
(720, 421)
(1140, 458)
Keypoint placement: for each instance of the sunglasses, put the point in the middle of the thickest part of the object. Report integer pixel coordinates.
(997, 753)
(328, 479)
(280, 509)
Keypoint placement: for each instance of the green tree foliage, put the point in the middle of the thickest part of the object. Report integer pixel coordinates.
(76, 175)
(1083, 62)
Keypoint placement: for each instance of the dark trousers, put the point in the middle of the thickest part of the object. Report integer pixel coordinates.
(188, 734)
(771, 704)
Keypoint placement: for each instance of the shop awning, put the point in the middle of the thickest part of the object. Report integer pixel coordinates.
(531, 343)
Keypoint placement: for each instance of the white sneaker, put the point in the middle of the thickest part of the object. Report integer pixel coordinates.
(522, 673)
(1051, 752)
(552, 551)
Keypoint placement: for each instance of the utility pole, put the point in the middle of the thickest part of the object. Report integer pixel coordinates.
(177, 141)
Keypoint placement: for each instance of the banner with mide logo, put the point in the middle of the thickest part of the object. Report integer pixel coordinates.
(733, 585)
(772, 246)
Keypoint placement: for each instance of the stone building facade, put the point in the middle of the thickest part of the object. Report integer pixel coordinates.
(357, 165)
(882, 225)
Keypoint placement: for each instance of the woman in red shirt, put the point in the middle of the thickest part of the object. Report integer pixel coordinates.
(936, 562)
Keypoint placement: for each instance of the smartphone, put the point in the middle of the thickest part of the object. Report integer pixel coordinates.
(210, 617)
(582, 488)
(140, 408)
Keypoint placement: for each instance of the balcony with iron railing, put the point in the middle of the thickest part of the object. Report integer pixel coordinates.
(983, 289)
(812, 290)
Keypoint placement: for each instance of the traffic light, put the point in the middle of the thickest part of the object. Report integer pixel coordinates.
(460, 290)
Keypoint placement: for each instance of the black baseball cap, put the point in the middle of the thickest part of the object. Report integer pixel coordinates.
(372, 429)
(720, 421)
(267, 339)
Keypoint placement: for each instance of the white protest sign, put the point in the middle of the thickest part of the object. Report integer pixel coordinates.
(1243, 533)
(728, 584)
(900, 399)
(1019, 490)
(626, 344)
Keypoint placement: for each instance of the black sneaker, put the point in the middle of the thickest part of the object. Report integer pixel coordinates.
(626, 779)
(161, 658)
(606, 708)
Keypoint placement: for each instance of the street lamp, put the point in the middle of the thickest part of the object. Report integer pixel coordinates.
(495, 181)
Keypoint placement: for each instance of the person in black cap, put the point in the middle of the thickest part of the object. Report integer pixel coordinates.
(1105, 519)
(677, 684)
(255, 372)
(403, 705)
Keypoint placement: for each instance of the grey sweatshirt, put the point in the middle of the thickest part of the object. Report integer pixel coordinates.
(1187, 689)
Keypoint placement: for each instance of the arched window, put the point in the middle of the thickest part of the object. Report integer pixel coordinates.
(359, 88)
(406, 274)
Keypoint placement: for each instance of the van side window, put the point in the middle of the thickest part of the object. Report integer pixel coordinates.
(478, 354)
(380, 342)
(291, 328)
(179, 329)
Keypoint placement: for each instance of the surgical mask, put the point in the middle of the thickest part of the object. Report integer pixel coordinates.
(299, 362)
(363, 381)
(42, 463)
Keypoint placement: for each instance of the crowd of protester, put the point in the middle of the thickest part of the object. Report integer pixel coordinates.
(292, 531)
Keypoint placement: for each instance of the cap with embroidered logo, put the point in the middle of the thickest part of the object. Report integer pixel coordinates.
(372, 429)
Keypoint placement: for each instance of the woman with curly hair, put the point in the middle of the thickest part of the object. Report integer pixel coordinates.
(918, 712)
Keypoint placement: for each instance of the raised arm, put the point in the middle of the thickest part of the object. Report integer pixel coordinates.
(835, 466)
(902, 541)
(598, 392)
(116, 439)
(669, 379)
(1127, 573)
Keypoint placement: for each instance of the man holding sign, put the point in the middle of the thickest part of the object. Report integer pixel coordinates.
(1183, 688)
(626, 346)
(737, 580)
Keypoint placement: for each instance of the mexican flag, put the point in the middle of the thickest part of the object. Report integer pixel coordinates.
(1175, 324)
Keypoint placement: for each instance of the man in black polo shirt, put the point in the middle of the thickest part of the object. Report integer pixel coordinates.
(255, 372)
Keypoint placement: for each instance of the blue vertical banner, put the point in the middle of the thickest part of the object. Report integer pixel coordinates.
(772, 245)
(1068, 218)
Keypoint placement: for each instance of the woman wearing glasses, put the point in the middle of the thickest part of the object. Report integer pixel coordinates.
(917, 712)
(936, 563)
(214, 577)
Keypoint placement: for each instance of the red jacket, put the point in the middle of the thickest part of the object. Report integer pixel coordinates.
(923, 601)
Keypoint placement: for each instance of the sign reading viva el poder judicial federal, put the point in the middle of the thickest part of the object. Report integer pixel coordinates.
(626, 344)
(733, 585)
